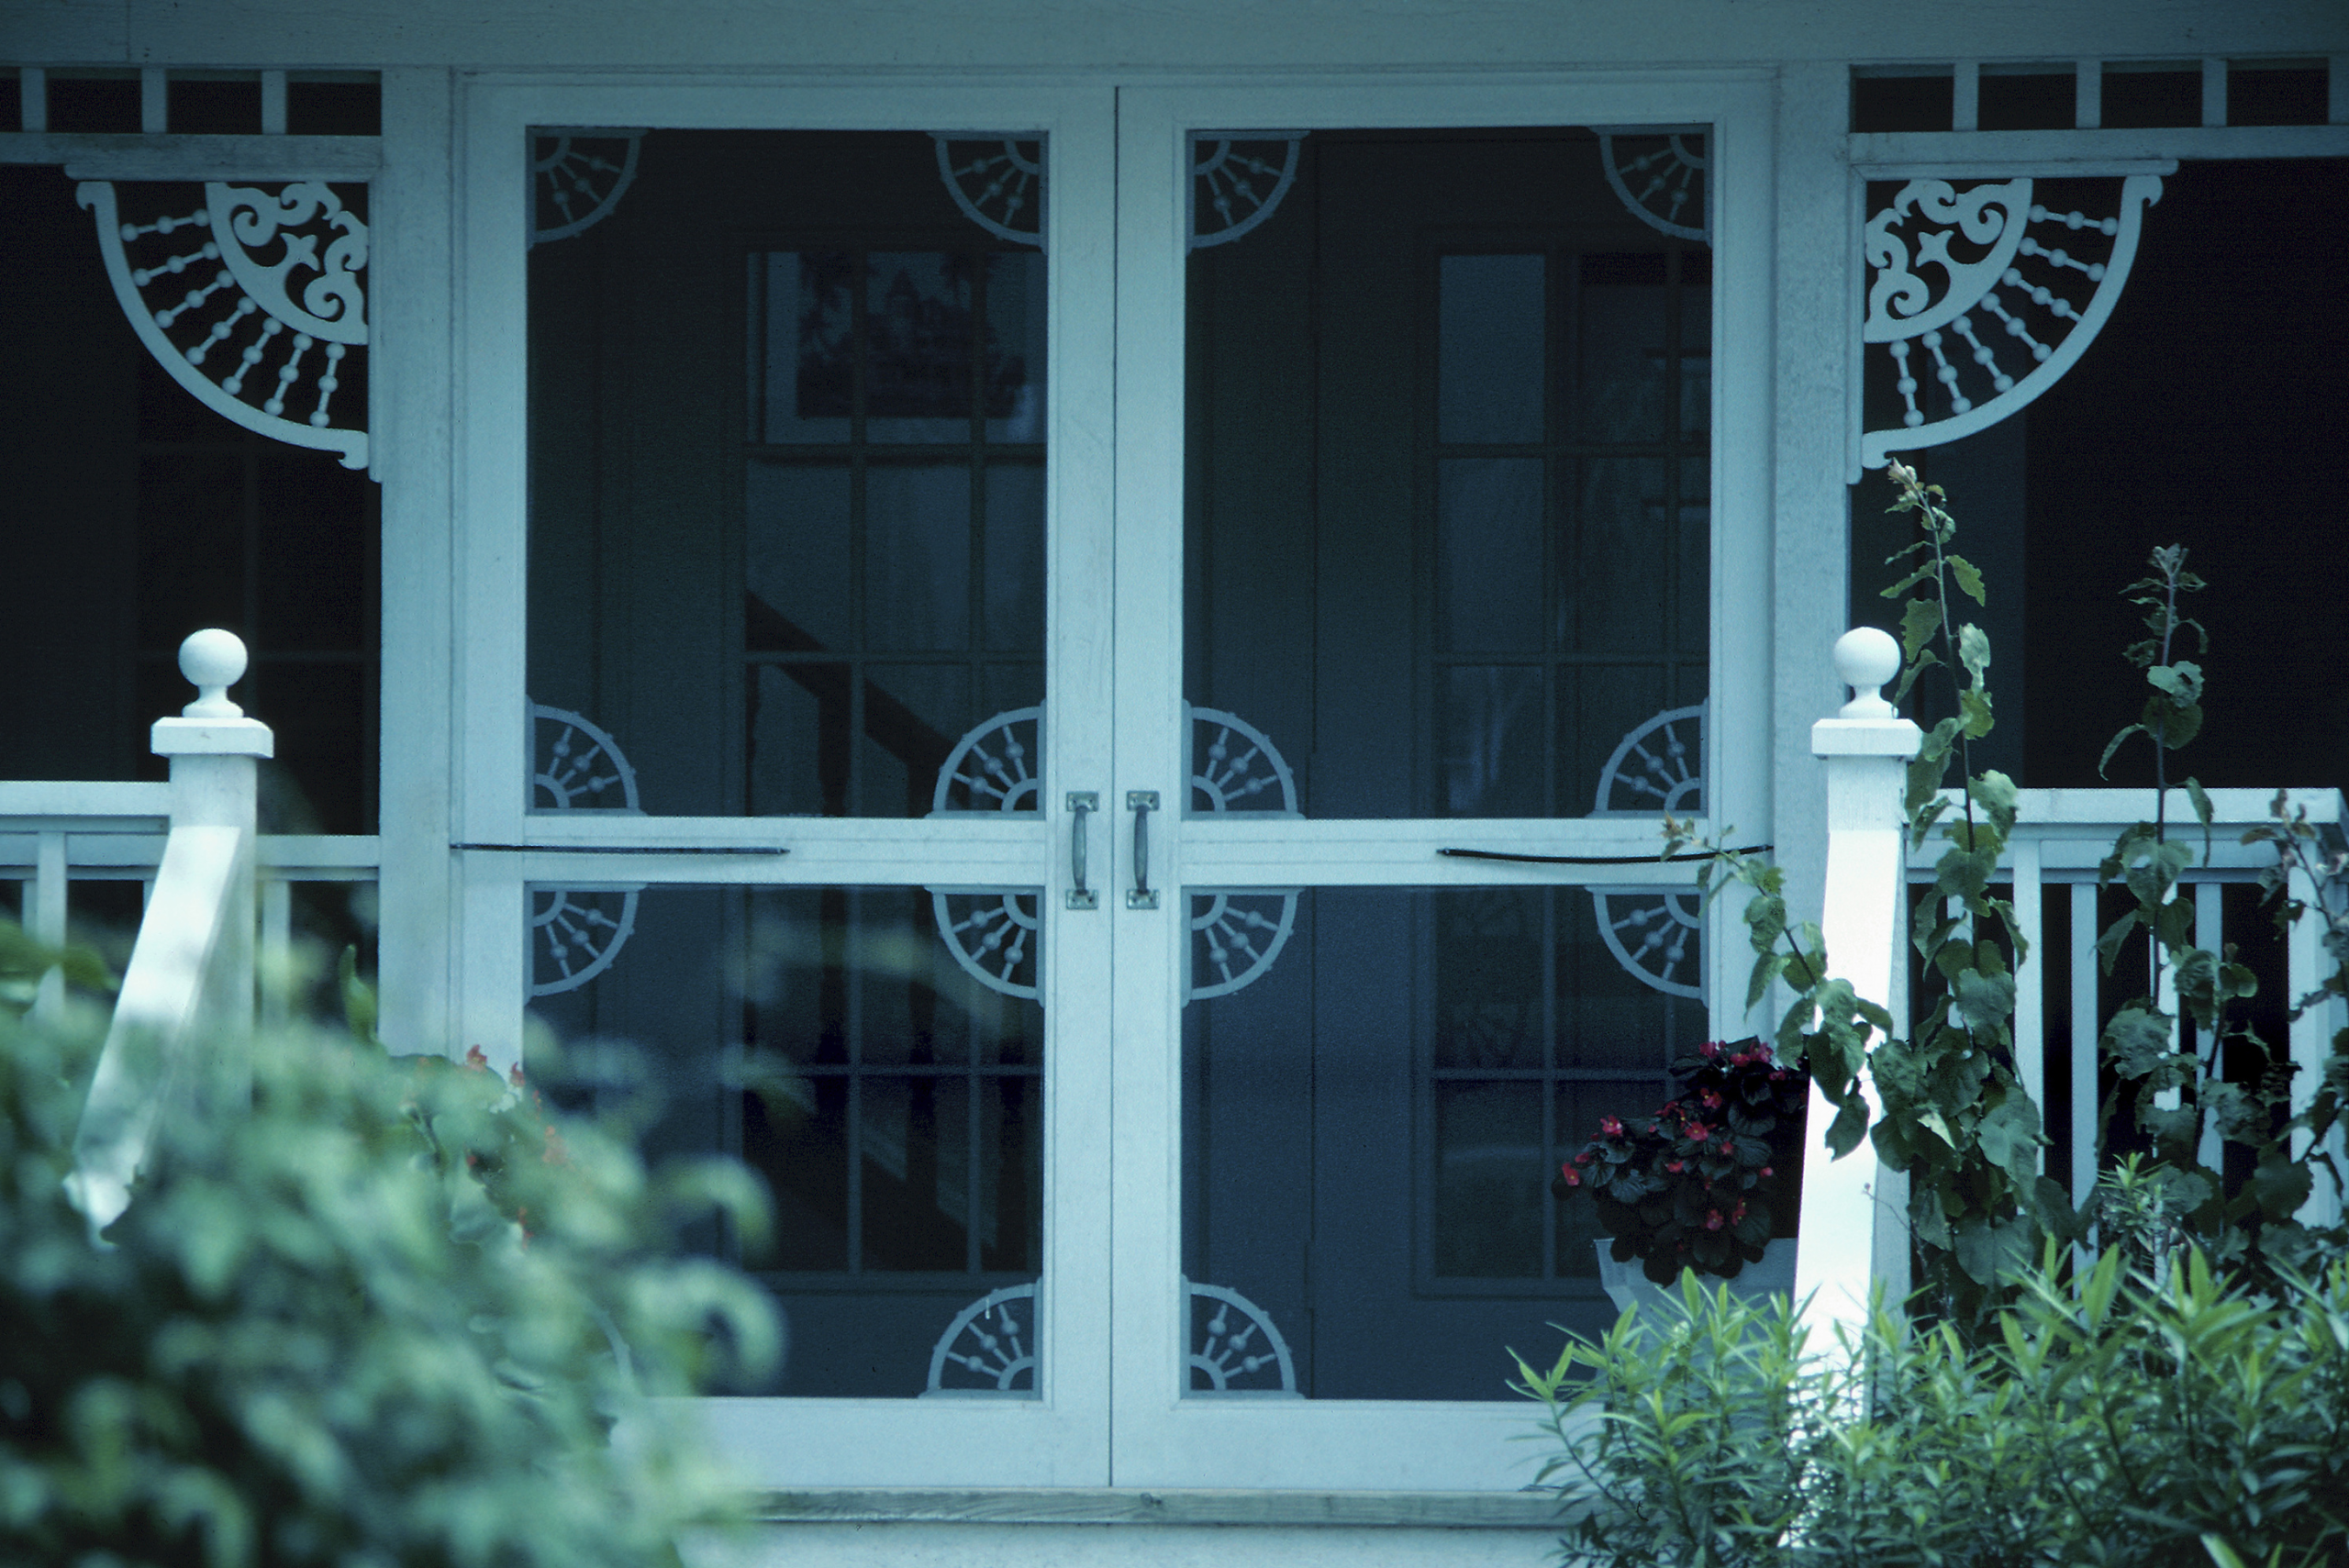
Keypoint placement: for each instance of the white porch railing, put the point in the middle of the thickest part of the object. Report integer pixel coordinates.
(2060, 837)
(1853, 1231)
(193, 846)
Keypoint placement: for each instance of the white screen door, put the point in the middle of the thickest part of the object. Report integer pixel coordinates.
(877, 500)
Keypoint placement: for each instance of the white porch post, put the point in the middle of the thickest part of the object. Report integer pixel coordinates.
(1853, 1226)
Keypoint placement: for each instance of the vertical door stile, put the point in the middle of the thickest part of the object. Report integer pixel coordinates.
(1076, 1318)
(1146, 1312)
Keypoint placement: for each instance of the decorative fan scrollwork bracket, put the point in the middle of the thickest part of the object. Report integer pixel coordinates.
(577, 177)
(989, 1349)
(1656, 934)
(244, 296)
(576, 931)
(1239, 179)
(1990, 294)
(997, 180)
(1661, 174)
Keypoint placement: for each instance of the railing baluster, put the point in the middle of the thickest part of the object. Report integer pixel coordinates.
(276, 967)
(2030, 1023)
(2086, 1090)
(2311, 1035)
(2209, 933)
(46, 905)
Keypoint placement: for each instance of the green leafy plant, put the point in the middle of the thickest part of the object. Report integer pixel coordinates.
(2108, 1418)
(390, 1315)
(1955, 1116)
(1697, 1184)
(2167, 1098)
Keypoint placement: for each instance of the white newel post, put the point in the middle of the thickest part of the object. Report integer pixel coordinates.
(191, 972)
(1855, 1226)
(214, 748)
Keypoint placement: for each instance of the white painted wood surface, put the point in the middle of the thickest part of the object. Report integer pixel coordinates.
(1211, 35)
(1855, 1223)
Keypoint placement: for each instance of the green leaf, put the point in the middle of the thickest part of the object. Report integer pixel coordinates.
(1850, 1124)
(1973, 703)
(2107, 946)
(1765, 970)
(2280, 1183)
(1969, 579)
(1988, 1251)
(1916, 575)
(2171, 723)
(1915, 667)
(1997, 795)
(2008, 1138)
(2202, 800)
(1919, 619)
(1974, 651)
(2238, 1117)
(1985, 1001)
(2139, 1041)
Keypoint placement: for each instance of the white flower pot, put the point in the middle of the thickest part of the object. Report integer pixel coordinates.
(1627, 1285)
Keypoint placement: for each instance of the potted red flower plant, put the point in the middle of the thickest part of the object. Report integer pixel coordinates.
(1709, 1180)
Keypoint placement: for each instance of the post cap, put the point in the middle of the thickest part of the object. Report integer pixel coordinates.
(1866, 658)
(213, 661)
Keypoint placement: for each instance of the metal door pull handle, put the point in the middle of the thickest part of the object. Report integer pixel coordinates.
(1141, 802)
(1080, 802)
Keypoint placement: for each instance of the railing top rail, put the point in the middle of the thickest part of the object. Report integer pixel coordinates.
(2073, 829)
(105, 805)
(334, 857)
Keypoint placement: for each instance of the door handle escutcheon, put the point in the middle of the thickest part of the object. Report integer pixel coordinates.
(1141, 802)
(1080, 803)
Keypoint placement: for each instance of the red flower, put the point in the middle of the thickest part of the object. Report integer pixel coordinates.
(1768, 1172)
(1676, 1166)
(1611, 1126)
(1573, 1177)
(476, 1057)
(1710, 1050)
(1698, 1131)
(1713, 1220)
(1712, 1100)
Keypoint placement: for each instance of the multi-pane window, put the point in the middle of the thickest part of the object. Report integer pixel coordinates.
(893, 500)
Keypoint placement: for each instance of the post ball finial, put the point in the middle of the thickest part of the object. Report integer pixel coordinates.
(213, 661)
(1866, 658)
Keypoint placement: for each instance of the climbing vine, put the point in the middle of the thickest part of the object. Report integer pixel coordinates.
(1953, 1115)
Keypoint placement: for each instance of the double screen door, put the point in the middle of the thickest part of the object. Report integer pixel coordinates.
(984, 613)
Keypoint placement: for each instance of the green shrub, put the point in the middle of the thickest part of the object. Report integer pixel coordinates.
(390, 1316)
(2111, 1420)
